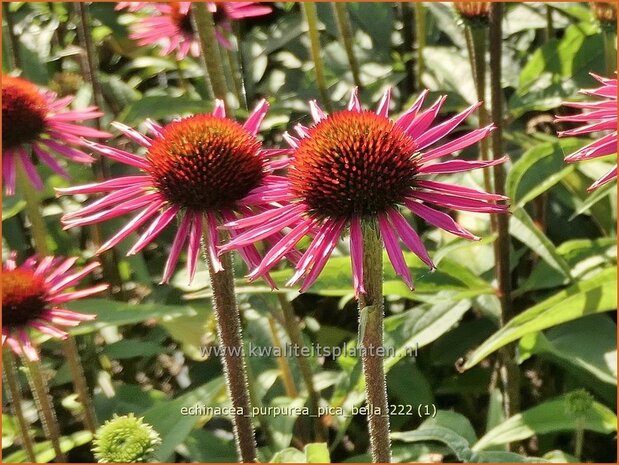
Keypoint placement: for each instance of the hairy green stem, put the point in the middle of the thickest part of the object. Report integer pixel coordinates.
(509, 370)
(294, 333)
(371, 310)
(231, 342)
(205, 26)
(420, 33)
(79, 382)
(579, 437)
(38, 386)
(343, 25)
(311, 16)
(9, 371)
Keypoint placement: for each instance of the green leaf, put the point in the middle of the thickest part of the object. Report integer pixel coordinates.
(589, 343)
(288, 455)
(317, 452)
(130, 348)
(421, 326)
(11, 206)
(522, 227)
(112, 313)
(594, 295)
(454, 441)
(548, 417)
(161, 107)
(538, 170)
(168, 420)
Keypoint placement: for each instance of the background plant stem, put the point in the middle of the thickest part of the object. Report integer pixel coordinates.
(231, 341)
(420, 34)
(371, 339)
(9, 374)
(38, 385)
(205, 26)
(13, 45)
(311, 16)
(343, 25)
(294, 333)
(610, 51)
(509, 370)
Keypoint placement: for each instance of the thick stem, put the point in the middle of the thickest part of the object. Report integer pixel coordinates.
(294, 333)
(610, 51)
(343, 25)
(79, 383)
(15, 398)
(13, 41)
(38, 228)
(38, 385)
(205, 26)
(311, 16)
(509, 370)
(371, 310)
(420, 33)
(231, 342)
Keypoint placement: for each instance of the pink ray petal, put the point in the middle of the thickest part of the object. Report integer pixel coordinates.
(317, 113)
(323, 254)
(409, 236)
(257, 116)
(177, 246)
(457, 166)
(158, 225)
(220, 109)
(354, 104)
(356, 255)
(393, 250)
(457, 144)
(383, 105)
(438, 132)
(193, 250)
(439, 219)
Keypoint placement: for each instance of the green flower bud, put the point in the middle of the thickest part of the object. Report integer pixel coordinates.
(125, 439)
(578, 403)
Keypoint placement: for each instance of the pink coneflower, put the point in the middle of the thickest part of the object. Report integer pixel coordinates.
(33, 295)
(200, 169)
(600, 115)
(34, 121)
(355, 165)
(171, 26)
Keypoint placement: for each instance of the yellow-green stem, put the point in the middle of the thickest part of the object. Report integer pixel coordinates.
(233, 360)
(343, 25)
(236, 78)
(294, 333)
(371, 315)
(420, 34)
(311, 16)
(282, 362)
(15, 398)
(205, 26)
(38, 386)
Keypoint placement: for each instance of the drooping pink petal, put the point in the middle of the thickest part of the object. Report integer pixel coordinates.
(409, 236)
(439, 219)
(393, 250)
(356, 255)
(175, 250)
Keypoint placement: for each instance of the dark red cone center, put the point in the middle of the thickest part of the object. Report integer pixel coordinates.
(23, 112)
(23, 298)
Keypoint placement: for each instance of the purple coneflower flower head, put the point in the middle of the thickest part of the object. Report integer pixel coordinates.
(598, 116)
(355, 165)
(201, 170)
(33, 296)
(170, 27)
(35, 123)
